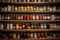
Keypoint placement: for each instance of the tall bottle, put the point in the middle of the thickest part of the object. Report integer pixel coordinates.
(0, 17)
(18, 36)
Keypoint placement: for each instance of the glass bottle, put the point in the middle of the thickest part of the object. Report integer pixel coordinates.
(14, 35)
(0, 17)
(38, 35)
(30, 17)
(18, 35)
(11, 26)
(34, 17)
(35, 35)
(37, 17)
(17, 26)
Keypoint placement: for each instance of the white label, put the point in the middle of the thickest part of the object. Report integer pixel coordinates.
(33, 17)
(8, 26)
(11, 25)
(1, 26)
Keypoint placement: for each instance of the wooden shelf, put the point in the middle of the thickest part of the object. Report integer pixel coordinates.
(37, 39)
(31, 30)
(30, 3)
(30, 12)
(29, 20)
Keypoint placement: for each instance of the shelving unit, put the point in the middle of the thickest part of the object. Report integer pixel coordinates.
(38, 4)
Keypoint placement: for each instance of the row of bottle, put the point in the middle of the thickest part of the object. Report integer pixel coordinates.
(30, 35)
(30, 17)
(30, 26)
(28, 8)
(15, 1)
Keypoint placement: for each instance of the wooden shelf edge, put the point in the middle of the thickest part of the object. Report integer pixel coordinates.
(29, 20)
(36, 39)
(31, 30)
(30, 11)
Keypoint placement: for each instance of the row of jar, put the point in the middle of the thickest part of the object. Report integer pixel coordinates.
(29, 8)
(29, 17)
(15, 1)
(30, 26)
(29, 35)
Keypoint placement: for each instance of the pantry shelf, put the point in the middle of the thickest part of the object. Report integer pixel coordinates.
(29, 20)
(37, 39)
(30, 12)
(31, 30)
(30, 3)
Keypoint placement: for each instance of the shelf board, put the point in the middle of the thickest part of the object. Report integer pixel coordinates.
(37, 39)
(29, 20)
(30, 12)
(30, 3)
(31, 30)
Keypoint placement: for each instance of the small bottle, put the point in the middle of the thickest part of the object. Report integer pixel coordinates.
(11, 26)
(18, 36)
(48, 17)
(31, 35)
(31, 8)
(34, 8)
(17, 26)
(51, 26)
(5, 8)
(23, 26)
(35, 35)
(45, 26)
(21, 17)
(22, 8)
(11, 1)
(44, 8)
(0, 17)
(12, 8)
(8, 26)
(54, 8)
(32, 26)
(1, 25)
(8, 17)
(39, 0)
(19, 8)
(25, 17)
(38, 35)
(37, 17)
(9, 8)
(41, 25)
(52, 17)
(16, 8)
(14, 35)
(30, 17)
(34, 17)
(45, 35)
(20, 26)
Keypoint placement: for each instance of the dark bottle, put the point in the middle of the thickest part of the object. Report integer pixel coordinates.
(5, 26)
(18, 36)
(42, 35)
(32, 25)
(26, 25)
(48, 27)
(10, 36)
(31, 35)
(8, 17)
(27, 17)
(24, 17)
(20, 26)
(45, 35)
(38, 35)
(23, 26)
(30, 17)
(3, 17)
